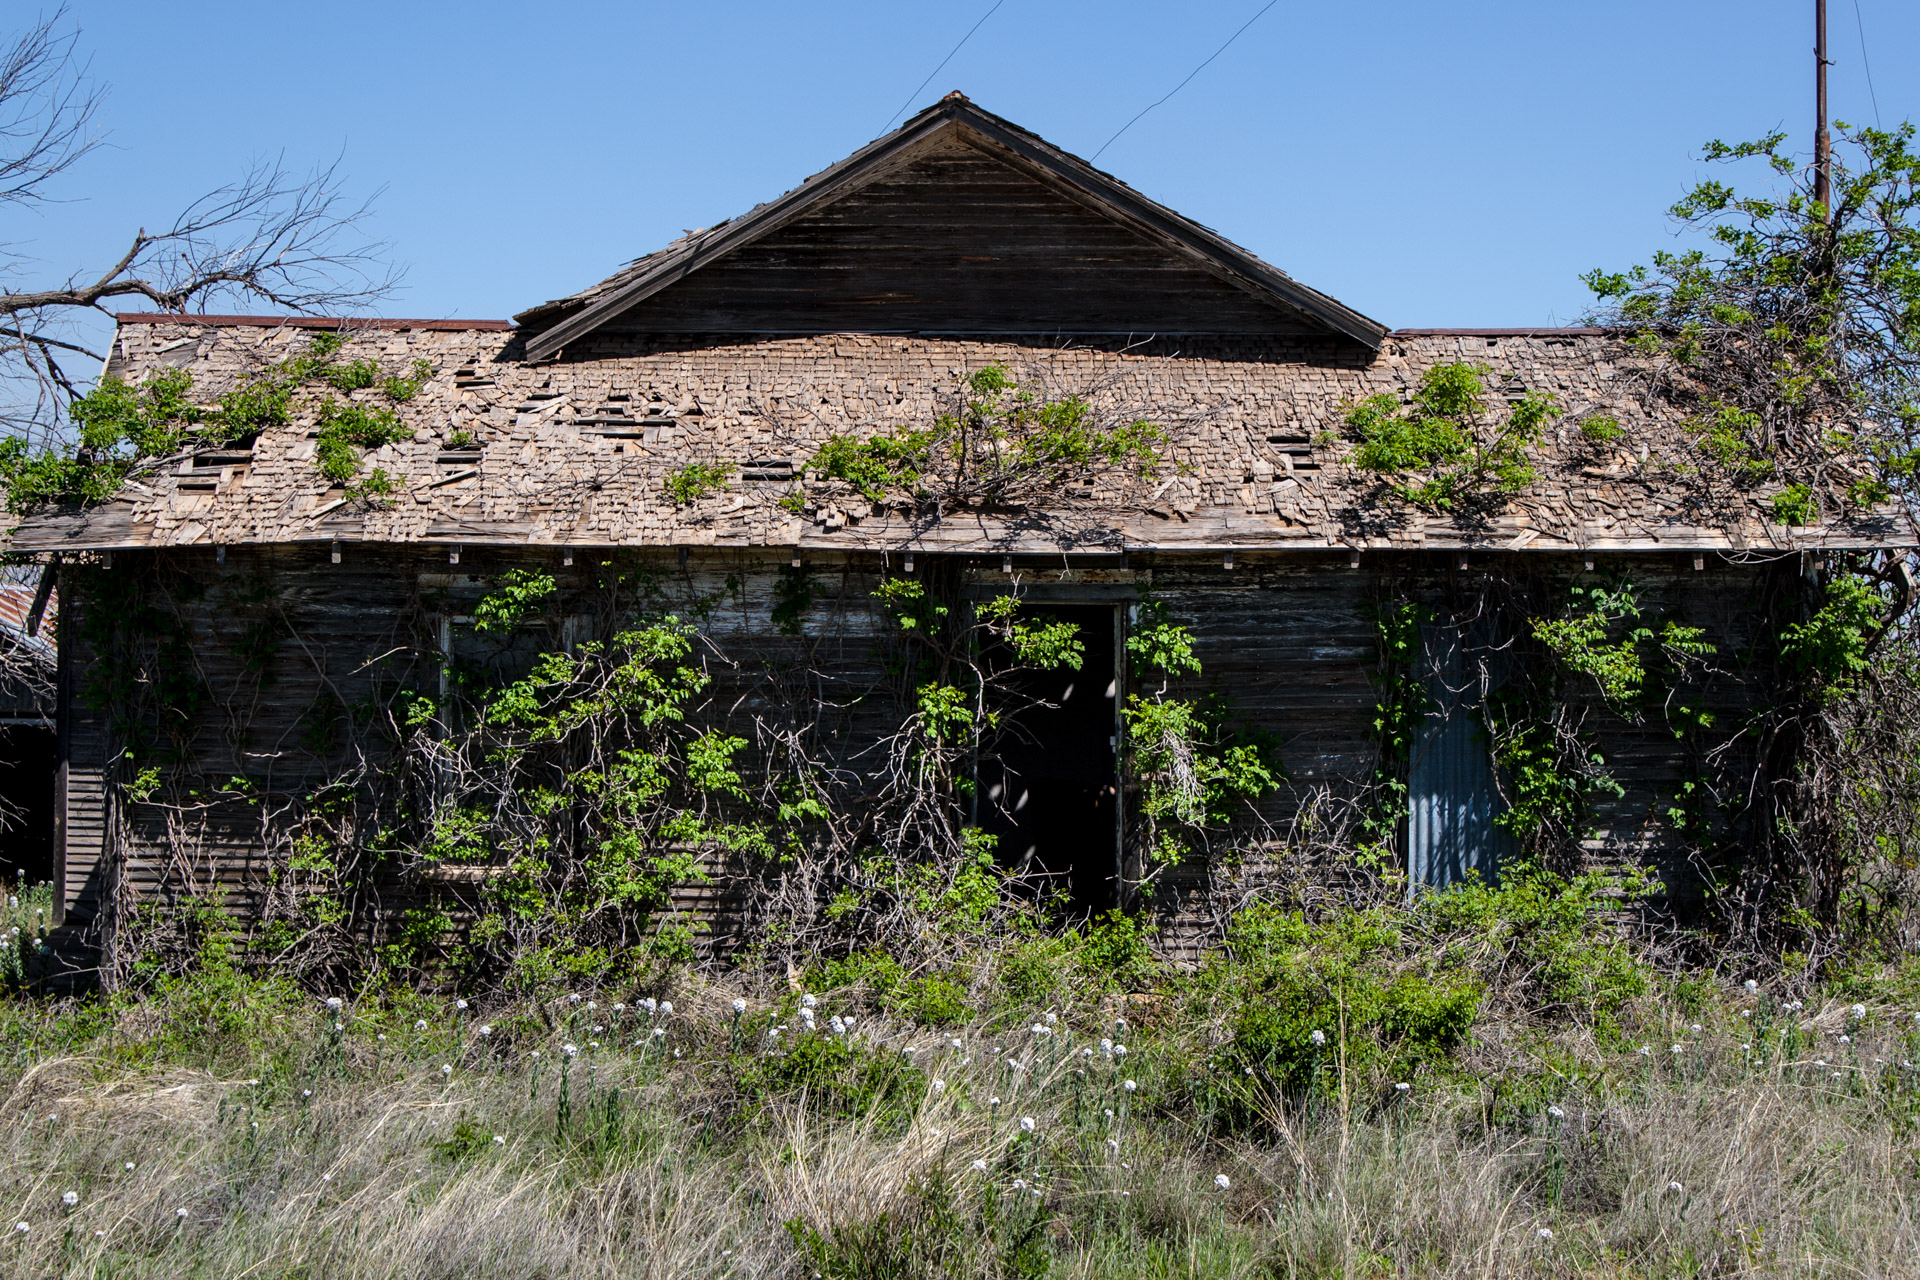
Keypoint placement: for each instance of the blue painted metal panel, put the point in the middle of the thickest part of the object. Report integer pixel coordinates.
(1451, 793)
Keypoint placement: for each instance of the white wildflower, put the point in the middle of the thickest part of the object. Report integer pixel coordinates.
(1679, 1048)
(1318, 1037)
(807, 1001)
(598, 1029)
(1113, 1144)
(461, 1005)
(1119, 1025)
(619, 1008)
(1556, 1113)
(69, 1198)
(1129, 1086)
(180, 1213)
(1838, 1076)
(499, 1139)
(486, 1029)
(979, 1166)
(1858, 1011)
(1695, 1028)
(129, 1166)
(571, 1050)
(666, 1008)
(573, 999)
(939, 1087)
(446, 1068)
(1052, 1018)
(1019, 1184)
(1545, 1233)
(955, 1045)
(1402, 1087)
(420, 1025)
(1026, 1124)
(1645, 1051)
(591, 1006)
(21, 1227)
(739, 1005)
(658, 1032)
(1119, 1051)
(1675, 1187)
(1846, 1039)
(335, 1003)
(1221, 1181)
(994, 1101)
(1751, 985)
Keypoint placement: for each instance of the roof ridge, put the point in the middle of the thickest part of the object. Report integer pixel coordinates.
(305, 322)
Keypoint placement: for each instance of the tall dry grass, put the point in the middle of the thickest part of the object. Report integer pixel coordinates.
(298, 1151)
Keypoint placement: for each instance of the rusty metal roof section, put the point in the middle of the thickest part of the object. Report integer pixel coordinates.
(577, 453)
(556, 324)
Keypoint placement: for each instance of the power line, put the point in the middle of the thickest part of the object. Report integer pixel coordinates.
(1190, 75)
(1861, 27)
(943, 62)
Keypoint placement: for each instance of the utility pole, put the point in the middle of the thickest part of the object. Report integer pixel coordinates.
(1822, 144)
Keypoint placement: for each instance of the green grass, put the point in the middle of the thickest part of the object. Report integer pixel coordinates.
(422, 1140)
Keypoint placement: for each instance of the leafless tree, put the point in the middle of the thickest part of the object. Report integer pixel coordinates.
(271, 239)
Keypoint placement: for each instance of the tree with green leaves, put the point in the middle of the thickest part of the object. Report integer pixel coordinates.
(1789, 330)
(1788, 334)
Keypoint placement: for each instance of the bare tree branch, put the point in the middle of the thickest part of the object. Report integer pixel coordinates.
(275, 240)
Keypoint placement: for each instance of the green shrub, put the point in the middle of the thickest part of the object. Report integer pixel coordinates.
(1116, 950)
(1349, 979)
(697, 480)
(872, 972)
(935, 1000)
(839, 1074)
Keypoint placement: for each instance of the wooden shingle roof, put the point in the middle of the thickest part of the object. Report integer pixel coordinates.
(578, 452)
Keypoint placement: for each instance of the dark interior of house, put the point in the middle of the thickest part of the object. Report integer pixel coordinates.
(28, 754)
(1050, 795)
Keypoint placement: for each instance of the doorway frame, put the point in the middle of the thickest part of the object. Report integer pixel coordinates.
(1120, 598)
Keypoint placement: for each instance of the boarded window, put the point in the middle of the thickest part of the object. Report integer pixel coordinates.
(1452, 795)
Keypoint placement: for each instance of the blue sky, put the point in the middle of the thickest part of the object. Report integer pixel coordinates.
(1429, 163)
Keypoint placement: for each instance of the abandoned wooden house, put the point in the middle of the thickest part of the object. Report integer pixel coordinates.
(673, 417)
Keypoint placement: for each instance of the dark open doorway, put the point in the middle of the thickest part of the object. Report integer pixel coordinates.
(29, 754)
(1050, 795)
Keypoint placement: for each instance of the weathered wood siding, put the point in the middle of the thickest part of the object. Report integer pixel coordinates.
(956, 242)
(287, 644)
